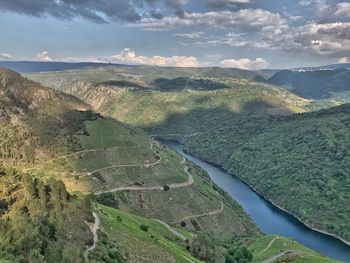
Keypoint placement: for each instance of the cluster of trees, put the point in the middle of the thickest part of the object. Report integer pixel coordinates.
(205, 247)
(40, 221)
(41, 132)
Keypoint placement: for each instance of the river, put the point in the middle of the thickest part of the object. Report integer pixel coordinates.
(269, 218)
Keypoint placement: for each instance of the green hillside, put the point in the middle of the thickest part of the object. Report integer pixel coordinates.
(299, 162)
(108, 162)
(39, 220)
(315, 84)
(149, 204)
(278, 249)
(135, 76)
(154, 242)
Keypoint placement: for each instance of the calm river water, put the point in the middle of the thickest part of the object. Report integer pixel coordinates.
(269, 218)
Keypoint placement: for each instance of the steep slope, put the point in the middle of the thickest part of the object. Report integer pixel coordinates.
(302, 164)
(315, 84)
(299, 162)
(125, 173)
(178, 109)
(44, 134)
(147, 99)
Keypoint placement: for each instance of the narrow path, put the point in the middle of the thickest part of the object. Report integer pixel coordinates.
(172, 230)
(93, 229)
(177, 134)
(189, 182)
(126, 165)
(269, 245)
(212, 213)
(276, 257)
(78, 153)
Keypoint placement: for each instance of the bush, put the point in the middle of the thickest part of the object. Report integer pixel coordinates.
(144, 227)
(166, 187)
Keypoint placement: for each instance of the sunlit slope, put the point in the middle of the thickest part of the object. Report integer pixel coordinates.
(129, 170)
(147, 99)
(136, 76)
(103, 157)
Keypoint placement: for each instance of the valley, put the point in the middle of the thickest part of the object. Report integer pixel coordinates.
(203, 112)
(175, 131)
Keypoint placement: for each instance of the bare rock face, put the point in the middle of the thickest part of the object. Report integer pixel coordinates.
(95, 95)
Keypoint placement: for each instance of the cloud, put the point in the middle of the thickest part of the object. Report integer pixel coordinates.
(305, 2)
(342, 10)
(226, 3)
(343, 60)
(326, 38)
(192, 35)
(128, 56)
(323, 38)
(43, 56)
(244, 19)
(326, 10)
(245, 63)
(101, 11)
(5, 56)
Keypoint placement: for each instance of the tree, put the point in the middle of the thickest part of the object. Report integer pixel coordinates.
(36, 257)
(204, 247)
(144, 227)
(238, 255)
(42, 193)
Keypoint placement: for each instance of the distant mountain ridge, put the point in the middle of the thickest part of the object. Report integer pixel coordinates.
(41, 66)
(314, 84)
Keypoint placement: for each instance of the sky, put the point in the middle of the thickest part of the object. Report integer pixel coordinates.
(248, 34)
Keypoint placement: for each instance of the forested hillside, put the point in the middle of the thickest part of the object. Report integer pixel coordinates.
(299, 162)
(315, 84)
(39, 220)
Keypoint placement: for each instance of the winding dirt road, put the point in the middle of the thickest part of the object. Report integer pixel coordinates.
(269, 245)
(276, 257)
(172, 230)
(212, 213)
(189, 182)
(94, 230)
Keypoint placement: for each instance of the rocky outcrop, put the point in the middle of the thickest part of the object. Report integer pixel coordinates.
(94, 95)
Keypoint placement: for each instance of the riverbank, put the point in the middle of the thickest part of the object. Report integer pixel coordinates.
(347, 242)
(268, 216)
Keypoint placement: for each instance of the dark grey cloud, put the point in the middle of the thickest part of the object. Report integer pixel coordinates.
(98, 11)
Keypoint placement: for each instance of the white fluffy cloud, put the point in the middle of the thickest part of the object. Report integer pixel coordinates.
(128, 56)
(5, 56)
(245, 63)
(43, 56)
(343, 60)
(244, 19)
